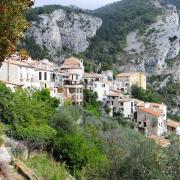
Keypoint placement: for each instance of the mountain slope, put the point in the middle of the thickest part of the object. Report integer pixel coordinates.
(119, 19)
(58, 30)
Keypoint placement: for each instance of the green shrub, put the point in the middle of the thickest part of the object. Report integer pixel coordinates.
(47, 168)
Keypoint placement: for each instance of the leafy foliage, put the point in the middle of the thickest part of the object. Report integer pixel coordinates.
(34, 49)
(77, 152)
(90, 147)
(91, 103)
(33, 14)
(145, 95)
(12, 30)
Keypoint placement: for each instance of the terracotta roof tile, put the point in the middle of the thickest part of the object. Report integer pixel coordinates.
(72, 61)
(150, 111)
(159, 140)
(172, 123)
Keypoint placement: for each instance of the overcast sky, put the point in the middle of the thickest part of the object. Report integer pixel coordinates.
(85, 4)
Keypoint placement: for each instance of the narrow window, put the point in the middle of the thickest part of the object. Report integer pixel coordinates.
(45, 76)
(40, 75)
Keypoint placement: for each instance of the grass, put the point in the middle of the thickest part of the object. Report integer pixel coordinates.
(46, 168)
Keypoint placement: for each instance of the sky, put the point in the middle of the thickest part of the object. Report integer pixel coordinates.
(85, 4)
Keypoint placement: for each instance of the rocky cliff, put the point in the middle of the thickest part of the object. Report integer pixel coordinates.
(156, 51)
(61, 31)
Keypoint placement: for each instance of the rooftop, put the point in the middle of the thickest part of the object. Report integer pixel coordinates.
(172, 123)
(150, 111)
(72, 61)
(114, 93)
(159, 140)
(92, 75)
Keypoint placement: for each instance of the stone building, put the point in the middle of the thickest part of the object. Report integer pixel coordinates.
(119, 103)
(152, 119)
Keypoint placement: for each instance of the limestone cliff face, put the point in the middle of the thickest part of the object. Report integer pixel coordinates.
(155, 51)
(62, 30)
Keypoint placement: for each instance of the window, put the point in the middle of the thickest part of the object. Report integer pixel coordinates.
(103, 85)
(76, 77)
(40, 75)
(45, 76)
(145, 125)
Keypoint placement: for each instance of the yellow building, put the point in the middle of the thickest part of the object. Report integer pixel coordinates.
(130, 79)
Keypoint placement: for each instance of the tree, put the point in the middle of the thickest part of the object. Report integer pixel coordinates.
(35, 136)
(12, 24)
(90, 102)
(77, 152)
(145, 95)
(64, 122)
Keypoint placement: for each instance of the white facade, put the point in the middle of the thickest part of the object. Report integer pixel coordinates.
(101, 88)
(28, 73)
(152, 118)
(117, 86)
(73, 71)
(119, 103)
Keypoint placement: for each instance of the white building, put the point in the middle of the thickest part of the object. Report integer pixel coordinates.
(73, 70)
(116, 85)
(19, 73)
(29, 74)
(119, 103)
(152, 118)
(101, 88)
(97, 83)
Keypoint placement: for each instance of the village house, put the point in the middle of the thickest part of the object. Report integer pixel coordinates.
(130, 79)
(116, 85)
(29, 74)
(119, 103)
(72, 71)
(173, 126)
(97, 83)
(151, 118)
(17, 72)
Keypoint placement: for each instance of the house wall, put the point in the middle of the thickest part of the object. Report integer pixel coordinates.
(154, 125)
(12, 70)
(102, 89)
(138, 79)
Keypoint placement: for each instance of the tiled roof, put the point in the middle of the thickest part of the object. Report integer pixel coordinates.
(159, 140)
(72, 61)
(150, 111)
(71, 66)
(92, 75)
(114, 93)
(172, 123)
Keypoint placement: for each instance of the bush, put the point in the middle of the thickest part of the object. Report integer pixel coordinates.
(77, 152)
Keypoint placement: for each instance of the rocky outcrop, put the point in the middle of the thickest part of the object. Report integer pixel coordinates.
(63, 30)
(156, 50)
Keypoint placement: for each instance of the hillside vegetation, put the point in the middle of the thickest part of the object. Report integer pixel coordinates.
(119, 19)
(90, 145)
